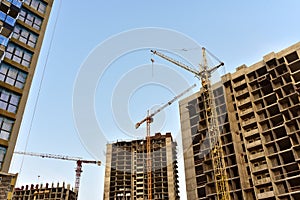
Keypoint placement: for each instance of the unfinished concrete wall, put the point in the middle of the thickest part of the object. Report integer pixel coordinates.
(265, 98)
(45, 192)
(198, 163)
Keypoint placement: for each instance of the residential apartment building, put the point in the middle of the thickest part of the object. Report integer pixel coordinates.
(126, 169)
(259, 120)
(46, 192)
(22, 29)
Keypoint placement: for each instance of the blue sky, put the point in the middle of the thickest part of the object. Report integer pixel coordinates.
(236, 32)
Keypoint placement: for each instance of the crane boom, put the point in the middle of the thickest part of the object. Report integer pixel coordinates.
(48, 155)
(186, 67)
(219, 167)
(180, 64)
(149, 120)
(164, 106)
(78, 161)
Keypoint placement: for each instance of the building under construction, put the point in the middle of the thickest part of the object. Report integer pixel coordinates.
(40, 192)
(126, 169)
(258, 113)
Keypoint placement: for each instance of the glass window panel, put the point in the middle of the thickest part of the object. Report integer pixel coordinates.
(31, 44)
(10, 48)
(19, 85)
(42, 8)
(14, 100)
(27, 2)
(27, 56)
(2, 153)
(24, 33)
(33, 38)
(17, 59)
(30, 17)
(10, 81)
(2, 77)
(3, 69)
(8, 55)
(25, 63)
(2, 16)
(35, 4)
(22, 77)
(28, 22)
(4, 135)
(23, 40)
(12, 73)
(7, 125)
(4, 96)
(12, 108)
(3, 105)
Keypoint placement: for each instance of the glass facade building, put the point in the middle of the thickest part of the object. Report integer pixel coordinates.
(22, 29)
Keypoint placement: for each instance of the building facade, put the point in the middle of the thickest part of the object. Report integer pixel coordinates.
(126, 169)
(259, 131)
(40, 192)
(22, 29)
(7, 185)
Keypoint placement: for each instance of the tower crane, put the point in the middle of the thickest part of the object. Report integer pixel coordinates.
(149, 119)
(204, 74)
(79, 161)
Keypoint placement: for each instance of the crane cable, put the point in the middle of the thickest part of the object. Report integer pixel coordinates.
(40, 84)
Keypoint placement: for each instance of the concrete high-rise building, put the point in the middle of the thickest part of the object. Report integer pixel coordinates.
(259, 118)
(22, 29)
(126, 169)
(46, 192)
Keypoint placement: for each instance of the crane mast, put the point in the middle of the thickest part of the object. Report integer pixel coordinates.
(219, 168)
(149, 119)
(78, 161)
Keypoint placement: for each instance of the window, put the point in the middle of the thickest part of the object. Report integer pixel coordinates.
(2, 155)
(9, 101)
(3, 40)
(25, 36)
(30, 19)
(12, 75)
(15, 2)
(6, 18)
(37, 5)
(18, 54)
(5, 127)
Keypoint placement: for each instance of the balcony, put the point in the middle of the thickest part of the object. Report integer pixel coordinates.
(251, 132)
(249, 121)
(242, 92)
(265, 195)
(257, 155)
(253, 144)
(239, 83)
(260, 167)
(263, 181)
(246, 111)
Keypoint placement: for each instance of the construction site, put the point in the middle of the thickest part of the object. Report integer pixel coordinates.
(240, 135)
(258, 112)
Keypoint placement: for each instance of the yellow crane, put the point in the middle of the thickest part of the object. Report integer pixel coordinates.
(79, 161)
(204, 74)
(149, 119)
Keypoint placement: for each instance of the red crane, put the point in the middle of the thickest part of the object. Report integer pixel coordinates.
(78, 160)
